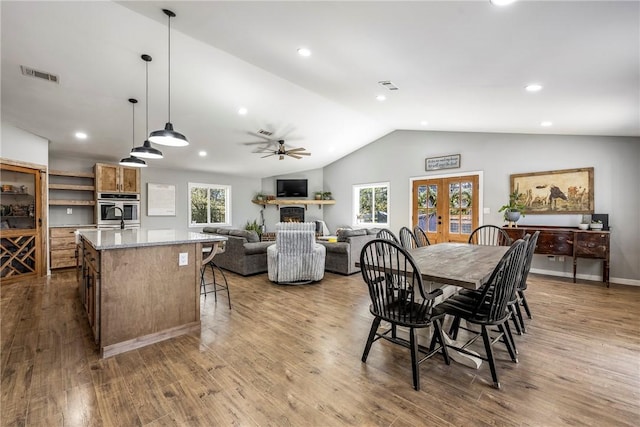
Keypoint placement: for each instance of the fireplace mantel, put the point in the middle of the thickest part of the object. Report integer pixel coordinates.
(283, 202)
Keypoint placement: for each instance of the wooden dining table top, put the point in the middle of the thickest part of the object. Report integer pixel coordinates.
(459, 264)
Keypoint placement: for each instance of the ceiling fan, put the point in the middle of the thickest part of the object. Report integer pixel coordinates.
(282, 151)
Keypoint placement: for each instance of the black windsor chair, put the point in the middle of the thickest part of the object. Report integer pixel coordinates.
(402, 303)
(489, 308)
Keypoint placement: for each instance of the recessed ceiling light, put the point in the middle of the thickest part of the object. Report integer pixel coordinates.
(501, 2)
(381, 97)
(242, 111)
(424, 123)
(202, 153)
(533, 87)
(81, 135)
(546, 124)
(303, 51)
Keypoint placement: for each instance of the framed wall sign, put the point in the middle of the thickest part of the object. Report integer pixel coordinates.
(568, 191)
(451, 161)
(161, 200)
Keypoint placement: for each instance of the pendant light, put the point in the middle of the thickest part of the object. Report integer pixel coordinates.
(168, 136)
(132, 160)
(146, 151)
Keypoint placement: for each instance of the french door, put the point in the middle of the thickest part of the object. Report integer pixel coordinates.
(446, 208)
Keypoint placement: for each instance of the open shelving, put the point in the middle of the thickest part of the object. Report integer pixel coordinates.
(284, 202)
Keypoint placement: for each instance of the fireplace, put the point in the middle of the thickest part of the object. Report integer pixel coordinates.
(291, 214)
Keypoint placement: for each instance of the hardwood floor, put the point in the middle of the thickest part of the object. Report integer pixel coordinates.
(290, 356)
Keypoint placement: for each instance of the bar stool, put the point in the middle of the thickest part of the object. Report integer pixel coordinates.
(208, 253)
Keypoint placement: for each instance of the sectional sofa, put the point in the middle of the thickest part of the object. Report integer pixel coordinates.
(245, 254)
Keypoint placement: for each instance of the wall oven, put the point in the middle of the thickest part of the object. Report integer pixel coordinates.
(115, 207)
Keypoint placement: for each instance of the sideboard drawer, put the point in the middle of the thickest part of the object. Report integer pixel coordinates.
(592, 245)
(555, 243)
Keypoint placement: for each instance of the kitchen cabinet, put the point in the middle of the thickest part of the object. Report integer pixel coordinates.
(90, 285)
(63, 250)
(116, 179)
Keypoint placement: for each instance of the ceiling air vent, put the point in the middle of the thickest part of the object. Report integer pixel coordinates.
(265, 132)
(39, 74)
(388, 84)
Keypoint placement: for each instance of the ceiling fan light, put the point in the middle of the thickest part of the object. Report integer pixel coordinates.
(168, 136)
(146, 151)
(132, 161)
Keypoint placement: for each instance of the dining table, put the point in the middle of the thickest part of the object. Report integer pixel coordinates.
(459, 264)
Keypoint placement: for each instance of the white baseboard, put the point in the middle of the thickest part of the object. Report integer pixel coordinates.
(595, 278)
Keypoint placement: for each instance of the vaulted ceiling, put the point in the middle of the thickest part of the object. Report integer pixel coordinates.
(458, 66)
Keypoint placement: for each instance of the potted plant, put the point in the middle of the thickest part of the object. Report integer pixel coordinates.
(326, 195)
(596, 225)
(514, 209)
(259, 197)
(254, 226)
(318, 195)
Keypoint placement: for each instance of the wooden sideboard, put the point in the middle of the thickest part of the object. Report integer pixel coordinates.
(571, 242)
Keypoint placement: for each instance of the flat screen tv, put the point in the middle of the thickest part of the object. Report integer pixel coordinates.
(291, 188)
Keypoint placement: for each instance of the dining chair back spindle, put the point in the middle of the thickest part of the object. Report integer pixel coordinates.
(407, 239)
(490, 235)
(421, 236)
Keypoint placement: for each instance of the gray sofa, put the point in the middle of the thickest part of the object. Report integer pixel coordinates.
(343, 254)
(244, 253)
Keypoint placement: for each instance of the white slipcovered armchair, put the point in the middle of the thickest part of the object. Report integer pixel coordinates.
(295, 258)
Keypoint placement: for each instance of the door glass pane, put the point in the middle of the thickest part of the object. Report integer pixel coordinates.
(454, 208)
(18, 200)
(432, 204)
(466, 205)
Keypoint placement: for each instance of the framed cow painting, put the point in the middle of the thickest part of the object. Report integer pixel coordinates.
(568, 191)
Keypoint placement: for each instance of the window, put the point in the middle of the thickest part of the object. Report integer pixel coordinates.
(370, 204)
(209, 204)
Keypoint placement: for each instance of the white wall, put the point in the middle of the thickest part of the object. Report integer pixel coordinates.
(400, 156)
(20, 145)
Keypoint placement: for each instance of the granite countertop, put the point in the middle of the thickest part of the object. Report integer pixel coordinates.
(138, 237)
(72, 226)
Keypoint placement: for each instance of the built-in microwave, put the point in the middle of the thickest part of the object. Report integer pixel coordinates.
(112, 209)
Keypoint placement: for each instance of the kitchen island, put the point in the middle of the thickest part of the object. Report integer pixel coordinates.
(141, 286)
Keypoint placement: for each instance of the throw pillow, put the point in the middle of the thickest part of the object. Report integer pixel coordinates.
(344, 233)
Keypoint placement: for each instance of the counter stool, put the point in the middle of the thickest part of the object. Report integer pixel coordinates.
(216, 285)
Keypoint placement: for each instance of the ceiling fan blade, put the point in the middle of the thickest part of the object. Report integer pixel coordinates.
(268, 155)
(302, 154)
(296, 149)
(263, 150)
(294, 156)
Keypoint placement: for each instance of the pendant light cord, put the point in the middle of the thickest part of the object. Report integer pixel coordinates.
(169, 62)
(133, 128)
(146, 63)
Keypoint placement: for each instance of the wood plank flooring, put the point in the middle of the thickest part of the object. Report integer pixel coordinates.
(290, 356)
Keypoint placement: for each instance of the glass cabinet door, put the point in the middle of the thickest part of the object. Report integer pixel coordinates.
(20, 249)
